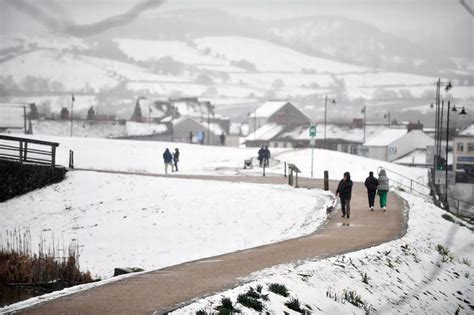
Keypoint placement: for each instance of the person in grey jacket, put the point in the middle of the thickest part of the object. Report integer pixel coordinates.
(383, 189)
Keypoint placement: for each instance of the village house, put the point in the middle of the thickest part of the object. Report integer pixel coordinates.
(463, 155)
(394, 143)
(271, 120)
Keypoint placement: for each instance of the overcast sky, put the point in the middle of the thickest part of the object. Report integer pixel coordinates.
(413, 19)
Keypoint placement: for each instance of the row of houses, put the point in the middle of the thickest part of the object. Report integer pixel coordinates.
(280, 124)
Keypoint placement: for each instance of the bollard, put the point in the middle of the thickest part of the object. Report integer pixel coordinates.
(285, 169)
(326, 180)
(71, 159)
(264, 168)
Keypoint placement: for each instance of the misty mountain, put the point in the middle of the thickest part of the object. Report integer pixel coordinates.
(333, 37)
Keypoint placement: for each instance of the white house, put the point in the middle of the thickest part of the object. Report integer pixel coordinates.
(391, 144)
(463, 152)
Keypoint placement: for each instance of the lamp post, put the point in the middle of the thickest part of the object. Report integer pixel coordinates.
(364, 111)
(72, 110)
(462, 112)
(333, 101)
(439, 120)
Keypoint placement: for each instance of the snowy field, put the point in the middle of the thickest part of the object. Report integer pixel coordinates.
(407, 276)
(146, 157)
(154, 222)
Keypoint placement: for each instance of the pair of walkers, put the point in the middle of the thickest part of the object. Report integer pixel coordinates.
(344, 191)
(380, 186)
(171, 160)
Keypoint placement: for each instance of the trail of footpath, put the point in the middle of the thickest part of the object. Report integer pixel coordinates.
(166, 289)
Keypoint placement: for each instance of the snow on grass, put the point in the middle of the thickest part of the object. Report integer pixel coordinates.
(153, 222)
(337, 163)
(154, 49)
(429, 270)
(270, 57)
(72, 72)
(146, 156)
(97, 129)
(386, 78)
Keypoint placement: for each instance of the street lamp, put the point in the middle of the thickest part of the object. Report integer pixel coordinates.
(333, 101)
(439, 119)
(463, 112)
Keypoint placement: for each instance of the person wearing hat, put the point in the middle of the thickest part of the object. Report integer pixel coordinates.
(344, 191)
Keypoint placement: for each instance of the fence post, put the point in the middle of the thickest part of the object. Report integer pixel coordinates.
(326, 180)
(21, 151)
(71, 159)
(25, 151)
(53, 156)
(285, 169)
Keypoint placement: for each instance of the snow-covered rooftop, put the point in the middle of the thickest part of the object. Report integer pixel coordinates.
(268, 109)
(347, 133)
(469, 131)
(385, 137)
(265, 133)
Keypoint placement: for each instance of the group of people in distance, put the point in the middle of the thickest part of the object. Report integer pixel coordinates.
(264, 156)
(171, 159)
(373, 185)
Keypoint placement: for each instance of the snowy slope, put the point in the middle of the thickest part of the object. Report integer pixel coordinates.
(270, 57)
(152, 222)
(406, 276)
(145, 156)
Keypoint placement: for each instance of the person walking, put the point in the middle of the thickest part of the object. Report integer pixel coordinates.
(383, 189)
(176, 159)
(168, 159)
(371, 183)
(266, 156)
(222, 138)
(344, 191)
(261, 154)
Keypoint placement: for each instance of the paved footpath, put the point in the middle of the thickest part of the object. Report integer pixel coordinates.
(165, 289)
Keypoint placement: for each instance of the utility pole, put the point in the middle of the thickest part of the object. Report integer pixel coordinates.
(365, 119)
(72, 111)
(24, 119)
(447, 148)
(326, 116)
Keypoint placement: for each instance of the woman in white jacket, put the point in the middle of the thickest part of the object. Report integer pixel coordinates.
(383, 189)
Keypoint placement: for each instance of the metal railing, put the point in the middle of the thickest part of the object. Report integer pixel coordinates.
(24, 150)
(422, 188)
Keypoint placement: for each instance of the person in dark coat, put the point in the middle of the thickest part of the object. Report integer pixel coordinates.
(261, 154)
(222, 138)
(266, 156)
(168, 159)
(344, 191)
(371, 183)
(176, 159)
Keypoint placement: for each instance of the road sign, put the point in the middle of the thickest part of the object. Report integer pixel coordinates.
(312, 131)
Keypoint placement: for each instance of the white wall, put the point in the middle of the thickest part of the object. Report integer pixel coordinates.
(415, 139)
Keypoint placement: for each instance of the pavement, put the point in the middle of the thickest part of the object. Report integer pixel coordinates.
(166, 289)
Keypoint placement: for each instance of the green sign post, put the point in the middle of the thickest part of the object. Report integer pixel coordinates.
(312, 131)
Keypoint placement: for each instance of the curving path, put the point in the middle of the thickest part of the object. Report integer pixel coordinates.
(166, 289)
